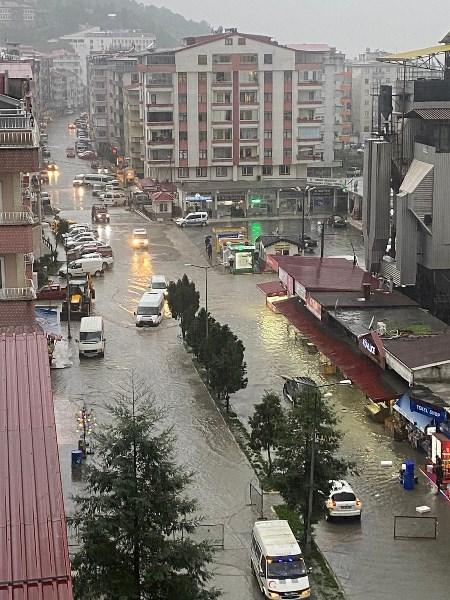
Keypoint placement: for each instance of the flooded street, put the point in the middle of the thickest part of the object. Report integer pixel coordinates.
(368, 561)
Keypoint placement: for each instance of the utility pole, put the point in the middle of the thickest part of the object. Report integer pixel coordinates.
(69, 333)
(322, 238)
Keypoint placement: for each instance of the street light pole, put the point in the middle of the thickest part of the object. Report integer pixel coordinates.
(69, 333)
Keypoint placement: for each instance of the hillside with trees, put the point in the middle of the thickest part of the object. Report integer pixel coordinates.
(60, 17)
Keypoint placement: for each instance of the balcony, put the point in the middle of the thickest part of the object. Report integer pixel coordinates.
(18, 293)
(161, 142)
(309, 157)
(307, 103)
(254, 158)
(16, 218)
(307, 121)
(310, 84)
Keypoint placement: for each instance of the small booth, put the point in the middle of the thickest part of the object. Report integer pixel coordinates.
(240, 258)
(223, 235)
(274, 245)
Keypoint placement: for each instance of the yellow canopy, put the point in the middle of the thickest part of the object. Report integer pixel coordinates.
(412, 54)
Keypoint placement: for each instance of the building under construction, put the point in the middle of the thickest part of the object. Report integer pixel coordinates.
(406, 211)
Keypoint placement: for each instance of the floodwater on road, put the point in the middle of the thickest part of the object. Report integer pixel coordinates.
(368, 561)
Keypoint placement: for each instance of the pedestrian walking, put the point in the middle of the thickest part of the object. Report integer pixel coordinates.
(439, 472)
(207, 242)
(209, 251)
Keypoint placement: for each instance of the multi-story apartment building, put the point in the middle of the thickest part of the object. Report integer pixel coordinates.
(19, 154)
(17, 13)
(233, 119)
(69, 91)
(108, 77)
(94, 40)
(133, 125)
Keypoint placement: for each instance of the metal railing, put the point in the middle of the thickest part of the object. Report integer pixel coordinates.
(16, 218)
(17, 128)
(18, 293)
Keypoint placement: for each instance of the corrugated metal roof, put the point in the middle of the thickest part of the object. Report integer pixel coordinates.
(34, 561)
(416, 353)
(419, 53)
(430, 114)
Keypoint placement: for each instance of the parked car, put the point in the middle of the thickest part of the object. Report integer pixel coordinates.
(52, 291)
(338, 222)
(82, 266)
(342, 501)
(108, 261)
(70, 152)
(107, 196)
(195, 218)
(87, 154)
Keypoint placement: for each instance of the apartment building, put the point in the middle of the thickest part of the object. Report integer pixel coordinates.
(235, 120)
(19, 155)
(16, 13)
(94, 40)
(69, 91)
(133, 147)
(109, 76)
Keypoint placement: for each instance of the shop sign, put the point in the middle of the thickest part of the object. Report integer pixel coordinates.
(300, 290)
(199, 198)
(326, 181)
(315, 307)
(371, 345)
(438, 414)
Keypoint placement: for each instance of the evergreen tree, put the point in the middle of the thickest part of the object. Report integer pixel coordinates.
(267, 425)
(134, 519)
(292, 464)
(196, 332)
(183, 300)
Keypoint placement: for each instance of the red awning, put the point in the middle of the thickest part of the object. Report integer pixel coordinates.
(34, 552)
(357, 367)
(272, 288)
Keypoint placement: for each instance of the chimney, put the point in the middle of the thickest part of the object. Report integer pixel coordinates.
(366, 291)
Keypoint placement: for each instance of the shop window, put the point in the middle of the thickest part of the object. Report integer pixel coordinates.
(247, 171)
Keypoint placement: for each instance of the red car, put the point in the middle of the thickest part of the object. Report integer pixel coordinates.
(87, 155)
(53, 291)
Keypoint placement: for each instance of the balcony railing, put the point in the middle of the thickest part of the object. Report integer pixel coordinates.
(18, 293)
(161, 141)
(17, 128)
(309, 157)
(249, 158)
(16, 218)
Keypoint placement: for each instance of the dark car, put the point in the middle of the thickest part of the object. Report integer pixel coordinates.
(338, 222)
(297, 387)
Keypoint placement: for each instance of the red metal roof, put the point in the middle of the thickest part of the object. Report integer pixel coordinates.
(354, 365)
(34, 557)
(272, 288)
(325, 274)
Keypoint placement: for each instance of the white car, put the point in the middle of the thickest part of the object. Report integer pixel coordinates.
(158, 283)
(342, 501)
(108, 261)
(112, 196)
(195, 218)
(78, 180)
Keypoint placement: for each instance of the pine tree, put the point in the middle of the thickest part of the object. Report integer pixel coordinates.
(183, 300)
(134, 518)
(267, 425)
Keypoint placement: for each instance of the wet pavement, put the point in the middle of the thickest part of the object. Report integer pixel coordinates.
(368, 561)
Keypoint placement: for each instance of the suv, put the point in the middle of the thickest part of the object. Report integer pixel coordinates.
(196, 218)
(342, 501)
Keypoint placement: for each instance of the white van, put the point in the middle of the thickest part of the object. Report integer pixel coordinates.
(195, 218)
(277, 561)
(92, 178)
(92, 337)
(139, 238)
(83, 266)
(150, 309)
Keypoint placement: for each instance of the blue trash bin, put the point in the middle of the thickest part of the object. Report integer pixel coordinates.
(77, 457)
(408, 479)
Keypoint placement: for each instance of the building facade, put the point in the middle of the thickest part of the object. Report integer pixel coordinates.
(236, 120)
(94, 40)
(16, 13)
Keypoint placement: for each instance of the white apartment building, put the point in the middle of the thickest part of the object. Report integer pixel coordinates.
(94, 40)
(69, 91)
(236, 119)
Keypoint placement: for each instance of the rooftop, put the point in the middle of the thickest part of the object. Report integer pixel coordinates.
(270, 240)
(418, 353)
(378, 298)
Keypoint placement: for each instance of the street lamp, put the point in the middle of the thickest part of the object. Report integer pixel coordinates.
(308, 533)
(305, 192)
(69, 333)
(321, 225)
(205, 268)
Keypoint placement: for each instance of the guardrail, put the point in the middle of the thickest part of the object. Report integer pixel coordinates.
(16, 218)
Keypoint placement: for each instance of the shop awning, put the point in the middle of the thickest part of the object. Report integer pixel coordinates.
(272, 288)
(403, 407)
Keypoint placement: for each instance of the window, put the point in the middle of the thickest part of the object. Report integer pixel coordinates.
(202, 117)
(366, 113)
(284, 170)
(288, 76)
(287, 134)
(288, 96)
(183, 155)
(182, 99)
(247, 171)
(267, 152)
(249, 59)
(267, 97)
(220, 116)
(222, 134)
(248, 115)
(267, 59)
(201, 172)
(202, 59)
(220, 77)
(221, 59)
(267, 170)
(203, 154)
(222, 97)
(182, 117)
(163, 207)
(268, 116)
(247, 77)
(268, 134)
(287, 152)
(202, 136)
(202, 99)
(228, 41)
(248, 97)
(267, 76)
(159, 79)
(287, 115)
(366, 102)
(153, 98)
(366, 128)
(249, 133)
(100, 98)
(203, 76)
(134, 77)
(221, 171)
(222, 153)
(183, 136)
(366, 81)
(242, 41)
(183, 172)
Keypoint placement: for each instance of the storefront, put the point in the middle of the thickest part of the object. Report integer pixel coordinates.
(231, 204)
(262, 203)
(198, 202)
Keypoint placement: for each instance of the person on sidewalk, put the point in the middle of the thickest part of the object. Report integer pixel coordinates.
(439, 472)
(209, 251)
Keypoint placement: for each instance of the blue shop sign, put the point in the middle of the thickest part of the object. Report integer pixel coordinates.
(438, 414)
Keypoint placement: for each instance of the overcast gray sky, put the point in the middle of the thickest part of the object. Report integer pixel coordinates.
(350, 25)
